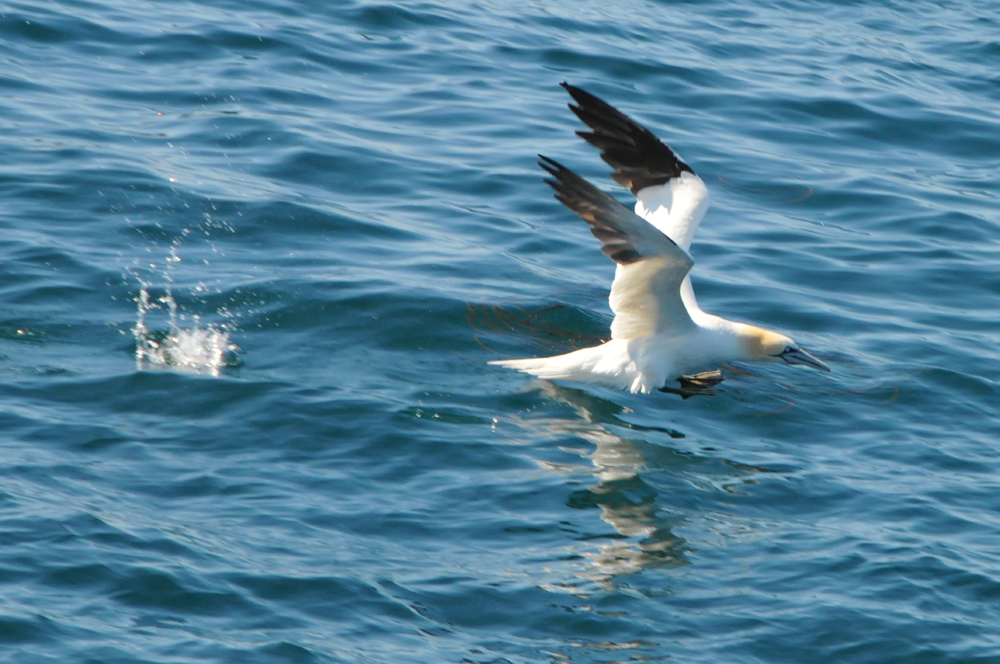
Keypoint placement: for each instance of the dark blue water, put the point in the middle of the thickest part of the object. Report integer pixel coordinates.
(254, 258)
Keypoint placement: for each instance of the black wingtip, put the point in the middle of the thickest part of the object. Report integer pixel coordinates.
(558, 173)
(546, 160)
(563, 179)
(553, 168)
(584, 98)
(639, 158)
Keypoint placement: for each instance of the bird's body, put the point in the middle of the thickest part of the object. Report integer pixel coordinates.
(646, 363)
(659, 332)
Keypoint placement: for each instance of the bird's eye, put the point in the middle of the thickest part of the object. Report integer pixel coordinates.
(788, 349)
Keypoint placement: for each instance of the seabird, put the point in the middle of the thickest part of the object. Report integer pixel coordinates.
(659, 332)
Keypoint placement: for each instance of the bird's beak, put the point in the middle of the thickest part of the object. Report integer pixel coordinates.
(799, 356)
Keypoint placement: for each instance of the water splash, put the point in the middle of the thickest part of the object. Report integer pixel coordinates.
(185, 344)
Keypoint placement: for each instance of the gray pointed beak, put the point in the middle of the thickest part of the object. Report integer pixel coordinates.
(800, 356)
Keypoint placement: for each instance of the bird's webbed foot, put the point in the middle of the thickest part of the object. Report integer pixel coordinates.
(702, 384)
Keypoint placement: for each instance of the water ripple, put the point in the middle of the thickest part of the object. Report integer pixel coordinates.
(348, 194)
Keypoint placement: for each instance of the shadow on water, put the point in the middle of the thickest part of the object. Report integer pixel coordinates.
(540, 329)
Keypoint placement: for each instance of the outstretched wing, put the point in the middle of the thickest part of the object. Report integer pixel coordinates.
(670, 195)
(645, 295)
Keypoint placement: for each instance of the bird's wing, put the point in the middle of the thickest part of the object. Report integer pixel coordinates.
(670, 195)
(645, 295)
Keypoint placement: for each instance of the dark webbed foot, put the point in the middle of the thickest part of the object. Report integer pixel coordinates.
(701, 384)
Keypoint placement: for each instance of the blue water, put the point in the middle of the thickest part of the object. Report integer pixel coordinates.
(254, 257)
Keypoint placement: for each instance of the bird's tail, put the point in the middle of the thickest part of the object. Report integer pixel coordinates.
(584, 365)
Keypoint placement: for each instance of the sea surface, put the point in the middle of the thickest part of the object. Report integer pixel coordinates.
(255, 257)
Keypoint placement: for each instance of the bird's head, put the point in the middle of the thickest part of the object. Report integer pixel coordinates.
(761, 344)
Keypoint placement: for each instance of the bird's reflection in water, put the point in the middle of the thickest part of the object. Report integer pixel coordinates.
(629, 506)
(642, 520)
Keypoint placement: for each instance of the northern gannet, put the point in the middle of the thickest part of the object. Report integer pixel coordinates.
(659, 332)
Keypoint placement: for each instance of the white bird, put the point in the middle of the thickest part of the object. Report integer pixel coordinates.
(659, 332)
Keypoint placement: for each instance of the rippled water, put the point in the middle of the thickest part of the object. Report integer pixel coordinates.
(255, 257)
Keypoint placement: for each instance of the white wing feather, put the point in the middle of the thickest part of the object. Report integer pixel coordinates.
(670, 195)
(646, 299)
(645, 295)
(676, 207)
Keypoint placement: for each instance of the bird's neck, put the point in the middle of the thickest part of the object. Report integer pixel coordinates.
(737, 341)
(758, 343)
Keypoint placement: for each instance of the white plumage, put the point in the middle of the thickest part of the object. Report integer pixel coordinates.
(659, 332)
